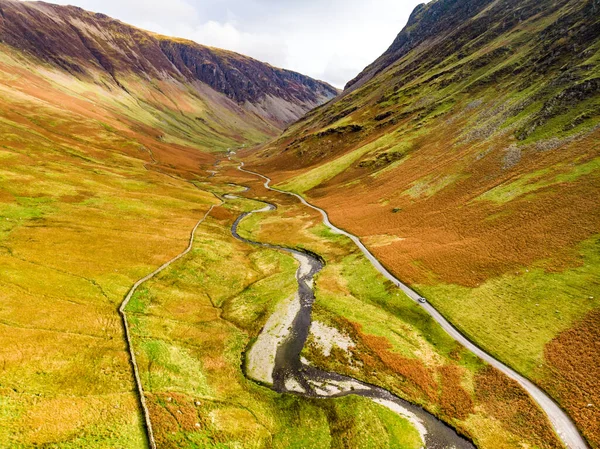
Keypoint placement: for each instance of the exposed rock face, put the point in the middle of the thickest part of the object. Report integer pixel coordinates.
(80, 41)
(432, 21)
(427, 22)
(241, 78)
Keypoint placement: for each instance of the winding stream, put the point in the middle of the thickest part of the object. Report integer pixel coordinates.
(286, 372)
(562, 423)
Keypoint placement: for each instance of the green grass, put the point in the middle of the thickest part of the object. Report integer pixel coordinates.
(329, 170)
(359, 423)
(511, 315)
(561, 124)
(172, 367)
(349, 289)
(139, 301)
(430, 185)
(26, 208)
(514, 316)
(191, 326)
(383, 310)
(540, 179)
(122, 435)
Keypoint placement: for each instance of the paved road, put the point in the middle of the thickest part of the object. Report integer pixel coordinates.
(564, 426)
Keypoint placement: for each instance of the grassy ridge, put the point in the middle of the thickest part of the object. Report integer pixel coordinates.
(485, 184)
(86, 209)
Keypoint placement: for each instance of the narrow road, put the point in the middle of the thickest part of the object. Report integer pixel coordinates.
(562, 423)
(132, 359)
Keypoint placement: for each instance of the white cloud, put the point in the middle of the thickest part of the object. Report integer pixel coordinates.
(261, 46)
(331, 40)
(167, 13)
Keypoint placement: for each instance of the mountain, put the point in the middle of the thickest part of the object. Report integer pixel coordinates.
(467, 158)
(96, 47)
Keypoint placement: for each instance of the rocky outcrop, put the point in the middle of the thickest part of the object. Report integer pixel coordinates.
(427, 22)
(241, 78)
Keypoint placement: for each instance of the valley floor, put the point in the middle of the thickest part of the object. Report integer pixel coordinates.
(194, 324)
(67, 383)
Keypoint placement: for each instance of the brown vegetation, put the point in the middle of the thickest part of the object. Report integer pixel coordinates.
(497, 396)
(574, 363)
(455, 401)
(413, 372)
(455, 238)
(172, 413)
(504, 399)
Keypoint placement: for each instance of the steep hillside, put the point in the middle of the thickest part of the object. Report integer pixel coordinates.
(468, 159)
(89, 46)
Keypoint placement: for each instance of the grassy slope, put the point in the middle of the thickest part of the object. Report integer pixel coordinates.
(92, 198)
(85, 210)
(479, 171)
(192, 327)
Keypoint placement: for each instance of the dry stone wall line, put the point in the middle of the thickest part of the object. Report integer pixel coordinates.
(132, 358)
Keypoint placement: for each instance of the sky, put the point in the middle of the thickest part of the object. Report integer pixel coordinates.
(331, 40)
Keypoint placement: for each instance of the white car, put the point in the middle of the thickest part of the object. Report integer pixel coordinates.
(421, 299)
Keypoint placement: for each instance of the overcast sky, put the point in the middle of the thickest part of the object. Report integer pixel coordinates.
(332, 40)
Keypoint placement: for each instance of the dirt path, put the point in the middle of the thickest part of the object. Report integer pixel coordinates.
(132, 359)
(562, 423)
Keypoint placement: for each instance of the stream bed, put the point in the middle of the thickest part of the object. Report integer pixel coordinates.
(275, 357)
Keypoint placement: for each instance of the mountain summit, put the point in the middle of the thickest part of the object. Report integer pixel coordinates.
(443, 28)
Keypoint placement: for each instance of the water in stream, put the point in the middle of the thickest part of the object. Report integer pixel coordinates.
(291, 375)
